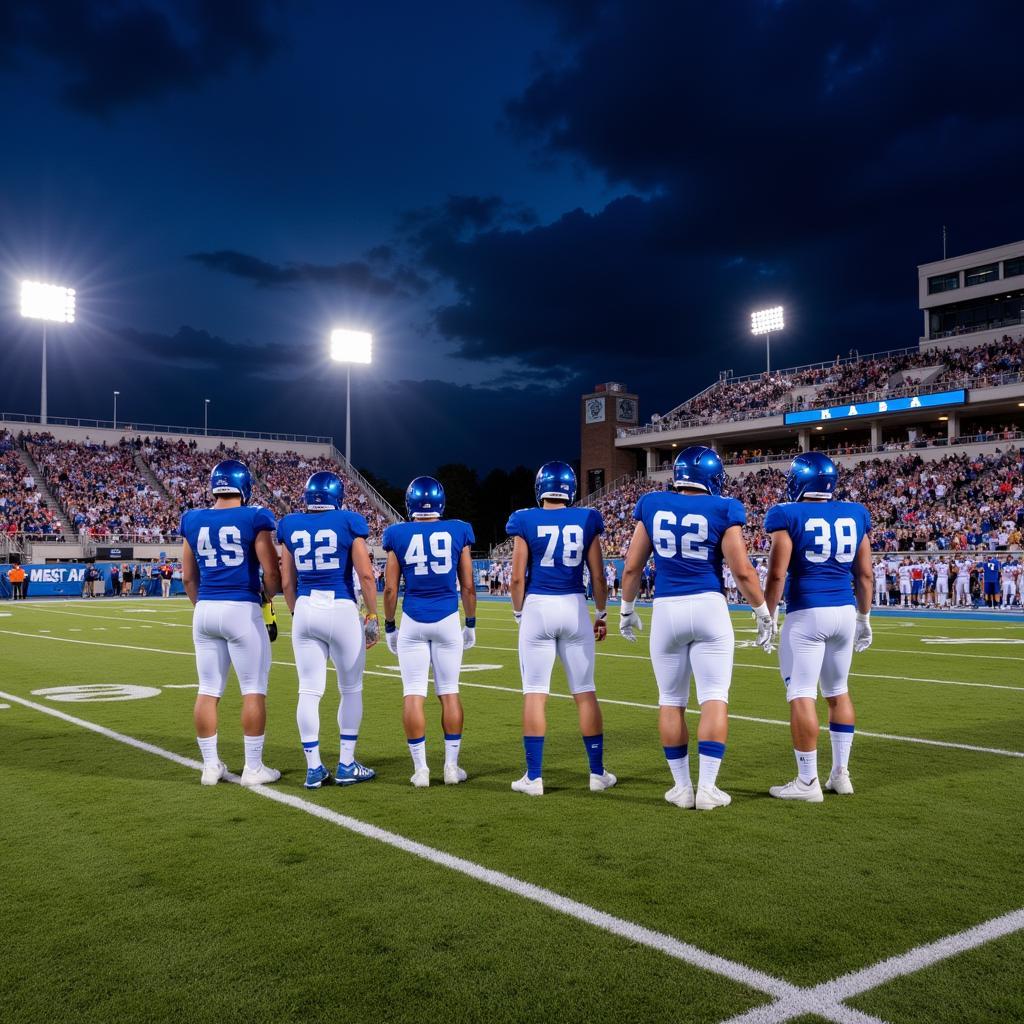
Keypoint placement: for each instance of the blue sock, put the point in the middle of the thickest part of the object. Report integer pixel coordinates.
(710, 753)
(534, 747)
(595, 752)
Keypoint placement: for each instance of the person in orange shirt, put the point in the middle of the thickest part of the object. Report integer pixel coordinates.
(16, 574)
(166, 575)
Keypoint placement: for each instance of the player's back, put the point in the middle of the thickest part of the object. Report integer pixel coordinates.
(223, 541)
(825, 536)
(558, 540)
(428, 552)
(321, 547)
(686, 532)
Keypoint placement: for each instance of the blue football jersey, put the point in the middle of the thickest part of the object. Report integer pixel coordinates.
(686, 532)
(991, 569)
(224, 543)
(558, 540)
(428, 552)
(321, 547)
(826, 536)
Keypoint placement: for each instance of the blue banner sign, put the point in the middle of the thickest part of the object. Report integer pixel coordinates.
(889, 405)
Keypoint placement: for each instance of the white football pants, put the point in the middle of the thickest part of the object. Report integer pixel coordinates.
(817, 646)
(425, 644)
(556, 625)
(227, 633)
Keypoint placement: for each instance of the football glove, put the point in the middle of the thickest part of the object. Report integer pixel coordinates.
(391, 636)
(371, 630)
(862, 634)
(600, 624)
(766, 628)
(518, 616)
(629, 622)
(269, 618)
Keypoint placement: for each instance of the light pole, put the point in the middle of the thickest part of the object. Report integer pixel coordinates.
(116, 393)
(764, 321)
(51, 303)
(348, 347)
(206, 416)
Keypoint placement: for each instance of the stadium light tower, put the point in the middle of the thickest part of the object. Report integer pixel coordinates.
(206, 416)
(51, 303)
(765, 321)
(116, 393)
(348, 347)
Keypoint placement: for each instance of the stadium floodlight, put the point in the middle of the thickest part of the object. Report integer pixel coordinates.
(766, 321)
(348, 347)
(51, 303)
(116, 393)
(206, 416)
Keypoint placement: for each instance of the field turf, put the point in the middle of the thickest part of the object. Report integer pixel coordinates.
(130, 893)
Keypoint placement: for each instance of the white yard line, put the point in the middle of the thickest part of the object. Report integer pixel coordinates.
(825, 998)
(632, 932)
(483, 686)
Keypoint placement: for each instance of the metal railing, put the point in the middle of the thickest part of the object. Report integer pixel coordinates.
(383, 506)
(159, 428)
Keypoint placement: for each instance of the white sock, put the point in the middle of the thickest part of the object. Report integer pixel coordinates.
(452, 742)
(348, 748)
(253, 751)
(418, 750)
(842, 742)
(208, 748)
(806, 765)
(707, 771)
(680, 769)
(312, 752)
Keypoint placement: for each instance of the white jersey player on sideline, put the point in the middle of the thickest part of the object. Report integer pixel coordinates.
(609, 578)
(962, 585)
(942, 582)
(434, 557)
(223, 550)
(323, 553)
(692, 532)
(824, 547)
(903, 575)
(1009, 583)
(881, 587)
(731, 594)
(551, 543)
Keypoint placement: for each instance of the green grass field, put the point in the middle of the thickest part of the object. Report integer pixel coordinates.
(131, 893)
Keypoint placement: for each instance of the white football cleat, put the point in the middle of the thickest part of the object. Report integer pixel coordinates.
(259, 776)
(600, 782)
(710, 797)
(840, 782)
(810, 792)
(681, 796)
(531, 787)
(213, 773)
(421, 778)
(453, 775)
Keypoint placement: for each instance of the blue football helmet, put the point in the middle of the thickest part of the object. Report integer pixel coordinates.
(555, 481)
(811, 475)
(231, 477)
(699, 467)
(424, 497)
(324, 491)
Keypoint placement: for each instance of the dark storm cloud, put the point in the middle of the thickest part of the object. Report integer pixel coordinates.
(115, 54)
(352, 275)
(799, 152)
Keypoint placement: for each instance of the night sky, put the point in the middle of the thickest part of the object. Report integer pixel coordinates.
(520, 199)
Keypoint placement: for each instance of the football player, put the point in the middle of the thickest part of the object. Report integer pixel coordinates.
(881, 586)
(990, 570)
(942, 582)
(825, 547)
(962, 584)
(321, 548)
(1010, 573)
(551, 543)
(433, 556)
(223, 549)
(691, 533)
(903, 575)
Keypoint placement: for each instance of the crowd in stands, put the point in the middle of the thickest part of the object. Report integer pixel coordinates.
(22, 509)
(954, 503)
(867, 378)
(105, 493)
(101, 489)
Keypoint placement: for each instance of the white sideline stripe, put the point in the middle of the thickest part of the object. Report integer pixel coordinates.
(824, 999)
(603, 700)
(628, 930)
(774, 668)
